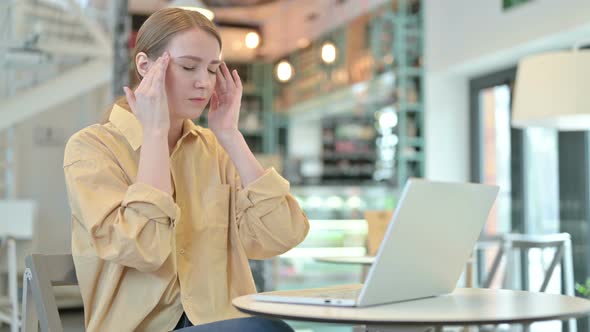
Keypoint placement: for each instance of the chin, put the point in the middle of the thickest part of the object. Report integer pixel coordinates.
(191, 113)
(188, 112)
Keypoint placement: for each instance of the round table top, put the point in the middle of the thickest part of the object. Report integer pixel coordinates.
(465, 306)
(362, 260)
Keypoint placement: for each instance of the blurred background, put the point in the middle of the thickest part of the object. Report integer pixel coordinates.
(346, 98)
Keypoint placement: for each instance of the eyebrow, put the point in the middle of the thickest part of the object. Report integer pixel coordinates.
(199, 59)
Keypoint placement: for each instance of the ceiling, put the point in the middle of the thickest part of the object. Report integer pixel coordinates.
(285, 24)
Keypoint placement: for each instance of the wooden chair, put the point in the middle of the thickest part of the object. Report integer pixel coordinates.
(377, 222)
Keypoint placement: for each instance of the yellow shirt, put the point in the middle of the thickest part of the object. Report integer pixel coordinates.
(143, 256)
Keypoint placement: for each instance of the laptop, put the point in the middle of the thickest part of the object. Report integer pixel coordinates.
(427, 243)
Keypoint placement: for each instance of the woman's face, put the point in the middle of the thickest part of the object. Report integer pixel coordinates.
(190, 77)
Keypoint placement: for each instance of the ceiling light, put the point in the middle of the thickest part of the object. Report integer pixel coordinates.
(252, 40)
(284, 71)
(196, 5)
(328, 52)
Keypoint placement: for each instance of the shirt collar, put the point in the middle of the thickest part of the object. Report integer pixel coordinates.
(131, 128)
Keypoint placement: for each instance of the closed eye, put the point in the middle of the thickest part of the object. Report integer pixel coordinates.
(212, 72)
(188, 68)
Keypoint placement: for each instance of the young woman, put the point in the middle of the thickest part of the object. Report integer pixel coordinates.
(166, 214)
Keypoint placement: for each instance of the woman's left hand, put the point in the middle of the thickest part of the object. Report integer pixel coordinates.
(224, 108)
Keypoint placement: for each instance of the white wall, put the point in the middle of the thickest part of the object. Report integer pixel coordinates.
(446, 134)
(469, 38)
(39, 164)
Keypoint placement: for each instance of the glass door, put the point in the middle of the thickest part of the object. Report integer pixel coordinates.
(496, 149)
(524, 163)
(494, 107)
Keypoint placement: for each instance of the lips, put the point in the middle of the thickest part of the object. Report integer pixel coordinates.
(198, 101)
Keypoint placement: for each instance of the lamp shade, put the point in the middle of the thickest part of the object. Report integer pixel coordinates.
(553, 90)
(196, 5)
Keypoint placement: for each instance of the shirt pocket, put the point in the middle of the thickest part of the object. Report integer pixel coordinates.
(217, 213)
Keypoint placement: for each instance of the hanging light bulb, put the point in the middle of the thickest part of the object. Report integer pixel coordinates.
(328, 52)
(196, 5)
(284, 71)
(252, 40)
(388, 118)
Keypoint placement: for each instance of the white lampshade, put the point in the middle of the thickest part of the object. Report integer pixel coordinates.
(196, 5)
(553, 90)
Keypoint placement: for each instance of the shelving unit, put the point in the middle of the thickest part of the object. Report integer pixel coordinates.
(348, 148)
(397, 42)
(378, 70)
(251, 113)
(376, 83)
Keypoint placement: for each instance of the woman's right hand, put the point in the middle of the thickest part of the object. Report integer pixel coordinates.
(149, 102)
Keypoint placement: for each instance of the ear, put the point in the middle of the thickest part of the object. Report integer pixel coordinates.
(142, 63)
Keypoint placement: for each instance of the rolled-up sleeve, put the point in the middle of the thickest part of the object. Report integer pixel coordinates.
(270, 221)
(129, 224)
(151, 203)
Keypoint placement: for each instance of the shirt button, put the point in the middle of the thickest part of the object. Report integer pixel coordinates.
(182, 251)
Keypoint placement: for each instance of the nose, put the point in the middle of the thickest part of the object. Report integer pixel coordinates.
(202, 80)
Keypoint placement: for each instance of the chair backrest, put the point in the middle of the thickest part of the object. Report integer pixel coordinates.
(377, 222)
(510, 244)
(41, 274)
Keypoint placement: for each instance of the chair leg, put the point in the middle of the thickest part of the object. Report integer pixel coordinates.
(568, 273)
(494, 269)
(526, 327)
(13, 284)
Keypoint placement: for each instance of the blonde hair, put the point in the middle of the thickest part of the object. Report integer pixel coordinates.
(157, 31)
